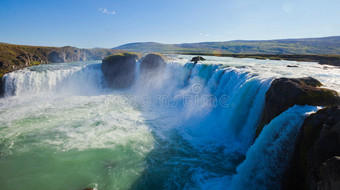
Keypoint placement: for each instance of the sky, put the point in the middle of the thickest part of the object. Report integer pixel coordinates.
(110, 23)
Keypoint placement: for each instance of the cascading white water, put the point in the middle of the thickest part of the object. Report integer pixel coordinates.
(269, 156)
(217, 111)
(137, 71)
(232, 114)
(189, 127)
(56, 78)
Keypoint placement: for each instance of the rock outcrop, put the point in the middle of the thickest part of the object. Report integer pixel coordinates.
(286, 92)
(2, 87)
(119, 69)
(197, 59)
(292, 66)
(152, 63)
(57, 57)
(316, 162)
(14, 57)
(152, 67)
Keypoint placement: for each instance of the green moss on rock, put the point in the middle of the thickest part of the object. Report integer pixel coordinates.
(112, 58)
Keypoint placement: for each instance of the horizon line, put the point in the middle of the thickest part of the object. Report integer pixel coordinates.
(141, 42)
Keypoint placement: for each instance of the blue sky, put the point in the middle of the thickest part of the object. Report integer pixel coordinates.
(109, 23)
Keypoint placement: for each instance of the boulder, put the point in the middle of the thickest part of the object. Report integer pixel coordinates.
(119, 69)
(316, 163)
(287, 92)
(152, 63)
(197, 59)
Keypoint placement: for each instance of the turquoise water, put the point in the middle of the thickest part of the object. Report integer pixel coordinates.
(71, 143)
(61, 128)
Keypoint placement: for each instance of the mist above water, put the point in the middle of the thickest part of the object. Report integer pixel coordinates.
(188, 127)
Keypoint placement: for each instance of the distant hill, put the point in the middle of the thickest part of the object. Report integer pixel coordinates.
(306, 46)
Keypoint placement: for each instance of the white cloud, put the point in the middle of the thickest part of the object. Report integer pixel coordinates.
(105, 11)
(205, 35)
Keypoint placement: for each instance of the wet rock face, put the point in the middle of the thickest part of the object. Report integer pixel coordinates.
(152, 67)
(119, 69)
(330, 174)
(316, 162)
(285, 93)
(2, 87)
(152, 63)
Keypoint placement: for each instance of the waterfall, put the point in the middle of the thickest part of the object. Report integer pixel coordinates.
(137, 71)
(238, 101)
(208, 112)
(269, 156)
(231, 119)
(56, 78)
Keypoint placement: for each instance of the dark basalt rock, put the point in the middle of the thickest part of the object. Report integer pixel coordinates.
(2, 87)
(152, 63)
(292, 66)
(152, 66)
(119, 69)
(330, 174)
(285, 93)
(197, 59)
(316, 163)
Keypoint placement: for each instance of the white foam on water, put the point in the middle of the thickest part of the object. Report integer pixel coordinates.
(57, 78)
(269, 156)
(164, 123)
(327, 74)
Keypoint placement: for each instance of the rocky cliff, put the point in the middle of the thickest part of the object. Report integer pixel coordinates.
(316, 160)
(287, 92)
(14, 57)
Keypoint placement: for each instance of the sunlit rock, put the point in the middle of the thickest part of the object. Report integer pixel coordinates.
(287, 92)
